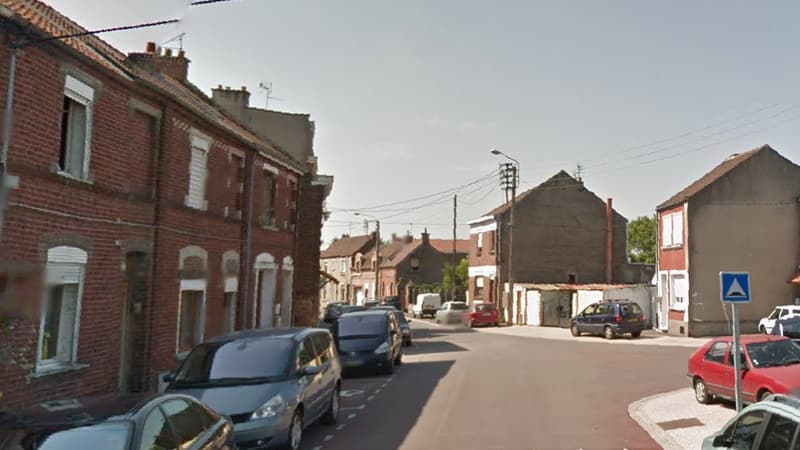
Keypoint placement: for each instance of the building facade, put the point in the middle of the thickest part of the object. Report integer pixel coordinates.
(339, 261)
(740, 216)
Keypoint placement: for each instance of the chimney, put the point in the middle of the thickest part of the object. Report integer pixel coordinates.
(176, 67)
(609, 241)
(408, 239)
(231, 99)
(426, 237)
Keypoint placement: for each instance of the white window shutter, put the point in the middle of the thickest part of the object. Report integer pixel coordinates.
(197, 179)
(666, 230)
(677, 228)
(66, 329)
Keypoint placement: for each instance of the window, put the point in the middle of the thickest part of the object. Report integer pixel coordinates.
(156, 434)
(774, 314)
(784, 312)
(198, 171)
(680, 290)
(717, 352)
(666, 230)
(293, 193)
(746, 429)
(479, 286)
(191, 319)
(322, 342)
(237, 185)
(677, 228)
(186, 420)
(480, 243)
(672, 229)
(779, 433)
(268, 217)
(58, 334)
(414, 262)
(589, 310)
(491, 242)
(742, 358)
(305, 353)
(76, 121)
(229, 313)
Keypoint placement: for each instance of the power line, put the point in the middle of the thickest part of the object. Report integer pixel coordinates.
(102, 30)
(207, 2)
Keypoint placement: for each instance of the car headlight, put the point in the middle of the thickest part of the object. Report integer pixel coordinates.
(271, 408)
(383, 348)
(406, 331)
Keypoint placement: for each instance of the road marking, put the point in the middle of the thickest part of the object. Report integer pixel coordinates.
(384, 385)
(377, 391)
(327, 438)
(350, 408)
(341, 427)
(350, 393)
(319, 447)
(369, 399)
(351, 416)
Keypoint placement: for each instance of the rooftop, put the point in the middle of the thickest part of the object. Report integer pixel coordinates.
(346, 246)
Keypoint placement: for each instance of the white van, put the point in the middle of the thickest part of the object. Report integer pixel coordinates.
(426, 305)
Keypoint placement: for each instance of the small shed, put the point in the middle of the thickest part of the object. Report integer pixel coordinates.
(554, 304)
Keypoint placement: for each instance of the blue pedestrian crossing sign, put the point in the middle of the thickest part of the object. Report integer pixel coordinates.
(734, 287)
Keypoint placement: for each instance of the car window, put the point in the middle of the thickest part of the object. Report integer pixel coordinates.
(630, 309)
(105, 436)
(459, 306)
(305, 352)
(745, 430)
(186, 423)
(783, 312)
(779, 433)
(322, 343)
(742, 358)
(774, 314)
(589, 310)
(602, 308)
(717, 352)
(244, 358)
(774, 353)
(156, 434)
(486, 308)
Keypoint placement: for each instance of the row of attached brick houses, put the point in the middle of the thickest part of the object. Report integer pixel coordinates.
(149, 219)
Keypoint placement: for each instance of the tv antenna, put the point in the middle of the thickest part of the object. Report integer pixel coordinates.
(178, 38)
(267, 88)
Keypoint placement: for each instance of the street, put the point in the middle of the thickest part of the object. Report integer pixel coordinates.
(464, 389)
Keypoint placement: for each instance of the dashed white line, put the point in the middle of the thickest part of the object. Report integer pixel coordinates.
(369, 399)
(341, 427)
(327, 438)
(350, 408)
(351, 416)
(319, 447)
(377, 391)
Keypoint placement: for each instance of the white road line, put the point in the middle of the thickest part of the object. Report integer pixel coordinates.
(327, 438)
(384, 385)
(369, 399)
(377, 391)
(319, 447)
(350, 408)
(351, 416)
(341, 427)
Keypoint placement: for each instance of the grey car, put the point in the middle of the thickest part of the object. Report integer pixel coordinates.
(452, 313)
(271, 383)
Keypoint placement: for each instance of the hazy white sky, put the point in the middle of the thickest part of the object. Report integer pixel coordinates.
(408, 97)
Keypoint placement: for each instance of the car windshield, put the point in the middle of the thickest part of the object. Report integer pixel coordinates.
(238, 361)
(630, 309)
(789, 328)
(485, 308)
(458, 306)
(106, 436)
(774, 353)
(352, 308)
(361, 326)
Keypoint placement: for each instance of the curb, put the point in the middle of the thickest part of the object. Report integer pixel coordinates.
(659, 435)
(659, 342)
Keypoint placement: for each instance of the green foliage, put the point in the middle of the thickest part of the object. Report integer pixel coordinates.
(642, 241)
(461, 276)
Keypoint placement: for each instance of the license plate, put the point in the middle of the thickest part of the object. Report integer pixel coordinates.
(486, 314)
(635, 319)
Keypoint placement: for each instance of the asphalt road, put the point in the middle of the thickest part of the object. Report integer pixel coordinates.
(460, 389)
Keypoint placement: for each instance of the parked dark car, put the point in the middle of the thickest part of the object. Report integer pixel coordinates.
(402, 321)
(393, 301)
(271, 383)
(787, 327)
(369, 340)
(129, 422)
(334, 310)
(371, 303)
(609, 319)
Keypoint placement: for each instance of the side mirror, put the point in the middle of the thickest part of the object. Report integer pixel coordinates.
(168, 377)
(393, 331)
(309, 369)
(722, 441)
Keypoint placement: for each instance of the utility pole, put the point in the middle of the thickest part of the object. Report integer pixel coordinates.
(509, 183)
(377, 256)
(455, 213)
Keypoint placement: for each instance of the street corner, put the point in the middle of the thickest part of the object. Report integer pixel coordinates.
(676, 421)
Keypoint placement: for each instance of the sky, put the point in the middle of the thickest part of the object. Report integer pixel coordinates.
(409, 97)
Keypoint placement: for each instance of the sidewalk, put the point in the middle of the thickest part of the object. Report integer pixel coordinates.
(676, 421)
(648, 337)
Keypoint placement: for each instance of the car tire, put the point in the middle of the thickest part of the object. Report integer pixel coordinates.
(332, 414)
(608, 333)
(636, 334)
(762, 330)
(701, 392)
(574, 330)
(764, 394)
(399, 359)
(295, 431)
(389, 368)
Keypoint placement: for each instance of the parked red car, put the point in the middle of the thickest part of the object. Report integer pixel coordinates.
(770, 365)
(484, 314)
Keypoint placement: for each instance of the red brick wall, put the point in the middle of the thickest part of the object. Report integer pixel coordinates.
(307, 250)
(488, 254)
(671, 258)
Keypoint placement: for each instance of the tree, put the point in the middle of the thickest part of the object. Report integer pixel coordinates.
(642, 240)
(461, 276)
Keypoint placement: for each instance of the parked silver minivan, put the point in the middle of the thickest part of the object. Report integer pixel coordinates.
(271, 383)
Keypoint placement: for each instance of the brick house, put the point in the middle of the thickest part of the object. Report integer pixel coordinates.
(151, 218)
(740, 216)
(339, 261)
(564, 233)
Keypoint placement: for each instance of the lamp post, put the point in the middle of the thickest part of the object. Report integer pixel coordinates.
(377, 250)
(510, 279)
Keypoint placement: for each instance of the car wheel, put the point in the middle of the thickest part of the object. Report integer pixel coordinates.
(389, 368)
(763, 395)
(296, 431)
(608, 332)
(636, 334)
(762, 330)
(399, 360)
(574, 330)
(332, 415)
(701, 392)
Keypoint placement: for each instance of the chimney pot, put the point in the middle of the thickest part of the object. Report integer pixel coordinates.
(219, 86)
(150, 47)
(227, 88)
(181, 53)
(168, 52)
(244, 88)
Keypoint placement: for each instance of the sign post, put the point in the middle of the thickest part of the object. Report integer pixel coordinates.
(735, 289)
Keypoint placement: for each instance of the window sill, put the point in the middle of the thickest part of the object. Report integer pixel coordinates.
(70, 176)
(677, 308)
(672, 247)
(269, 227)
(40, 372)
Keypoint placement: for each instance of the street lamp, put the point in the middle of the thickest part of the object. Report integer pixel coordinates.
(514, 174)
(377, 249)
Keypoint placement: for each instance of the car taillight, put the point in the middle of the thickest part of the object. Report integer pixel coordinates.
(619, 318)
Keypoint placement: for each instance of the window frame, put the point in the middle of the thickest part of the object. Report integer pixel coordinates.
(61, 256)
(82, 93)
(269, 210)
(199, 285)
(156, 410)
(201, 142)
(672, 235)
(724, 352)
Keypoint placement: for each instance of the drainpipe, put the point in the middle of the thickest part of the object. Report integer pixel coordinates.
(609, 241)
(248, 241)
(7, 182)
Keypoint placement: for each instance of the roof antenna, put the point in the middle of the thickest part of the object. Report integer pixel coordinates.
(267, 88)
(178, 38)
(579, 172)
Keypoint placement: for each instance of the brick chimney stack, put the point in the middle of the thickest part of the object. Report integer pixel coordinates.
(426, 238)
(233, 99)
(166, 63)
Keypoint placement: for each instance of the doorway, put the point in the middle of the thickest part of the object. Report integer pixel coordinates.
(266, 298)
(131, 377)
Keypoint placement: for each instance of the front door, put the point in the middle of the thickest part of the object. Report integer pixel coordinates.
(135, 291)
(266, 298)
(564, 308)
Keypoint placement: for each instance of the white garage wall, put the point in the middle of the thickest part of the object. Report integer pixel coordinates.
(586, 298)
(534, 303)
(639, 294)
